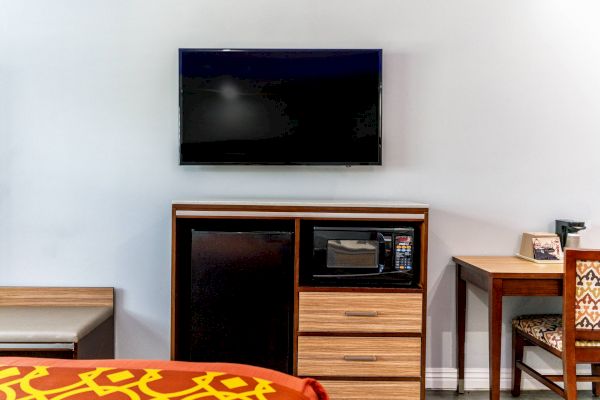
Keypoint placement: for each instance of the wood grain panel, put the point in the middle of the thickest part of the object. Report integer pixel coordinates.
(360, 312)
(359, 289)
(474, 276)
(56, 296)
(327, 356)
(369, 390)
(535, 287)
(511, 267)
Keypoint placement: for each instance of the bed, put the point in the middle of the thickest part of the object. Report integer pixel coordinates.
(24, 378)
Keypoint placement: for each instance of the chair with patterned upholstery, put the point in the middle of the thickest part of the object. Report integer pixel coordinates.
(573, 336)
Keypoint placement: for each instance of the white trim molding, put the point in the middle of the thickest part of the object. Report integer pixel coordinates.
(478, 379)
(299, 214)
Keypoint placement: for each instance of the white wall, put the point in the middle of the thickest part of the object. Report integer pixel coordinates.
(491, 115)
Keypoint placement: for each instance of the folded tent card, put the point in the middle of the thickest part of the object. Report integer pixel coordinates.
(547, 248)
(541, 247)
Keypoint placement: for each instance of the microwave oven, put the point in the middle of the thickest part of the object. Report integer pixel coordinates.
(362, 256)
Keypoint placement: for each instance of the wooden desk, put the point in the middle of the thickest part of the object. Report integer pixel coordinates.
(499, 276)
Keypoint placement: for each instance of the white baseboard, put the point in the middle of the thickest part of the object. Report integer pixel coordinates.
(478, 379)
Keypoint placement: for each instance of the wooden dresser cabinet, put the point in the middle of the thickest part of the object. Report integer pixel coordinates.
(361, 343)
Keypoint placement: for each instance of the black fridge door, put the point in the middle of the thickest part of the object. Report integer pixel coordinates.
(241, 300)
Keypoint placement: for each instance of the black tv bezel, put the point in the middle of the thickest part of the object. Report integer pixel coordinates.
(379, 160)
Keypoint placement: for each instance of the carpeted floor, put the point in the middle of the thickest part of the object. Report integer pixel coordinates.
(484, 395)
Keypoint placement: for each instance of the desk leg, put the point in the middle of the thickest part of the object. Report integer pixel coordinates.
(461, 310)
(596, 385)
(495, 335)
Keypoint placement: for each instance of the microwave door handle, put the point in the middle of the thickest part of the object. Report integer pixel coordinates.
(381, 261)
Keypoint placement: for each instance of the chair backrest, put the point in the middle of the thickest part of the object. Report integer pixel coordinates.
(581, 296)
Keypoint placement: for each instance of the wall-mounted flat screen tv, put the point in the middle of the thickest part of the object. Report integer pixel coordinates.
(274, 106)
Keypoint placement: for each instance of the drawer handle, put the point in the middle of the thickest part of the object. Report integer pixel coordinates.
(361, 313)
(360, 358)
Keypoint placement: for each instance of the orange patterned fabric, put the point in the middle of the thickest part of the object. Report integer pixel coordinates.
(23, 381)
(587, 295)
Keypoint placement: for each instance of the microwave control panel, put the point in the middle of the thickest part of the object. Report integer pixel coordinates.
(403, 253)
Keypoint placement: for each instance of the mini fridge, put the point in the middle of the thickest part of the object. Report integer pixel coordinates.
(241, 298)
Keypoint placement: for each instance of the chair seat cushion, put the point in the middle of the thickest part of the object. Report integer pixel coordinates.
(548, 329)
(25, 324)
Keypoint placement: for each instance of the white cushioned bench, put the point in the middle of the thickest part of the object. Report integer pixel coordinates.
(57, 322)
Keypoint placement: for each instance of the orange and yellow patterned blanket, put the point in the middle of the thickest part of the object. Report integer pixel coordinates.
(45, 379)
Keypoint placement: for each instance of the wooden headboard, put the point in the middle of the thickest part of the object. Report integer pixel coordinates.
(57, 296)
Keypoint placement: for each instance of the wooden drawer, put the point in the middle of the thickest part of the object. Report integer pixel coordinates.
(359, 356)
(376, 390)
(360, 312)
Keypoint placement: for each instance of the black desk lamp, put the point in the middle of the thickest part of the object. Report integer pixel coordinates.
(566, 226)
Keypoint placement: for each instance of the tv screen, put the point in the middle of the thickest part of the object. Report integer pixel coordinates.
(257, 106)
